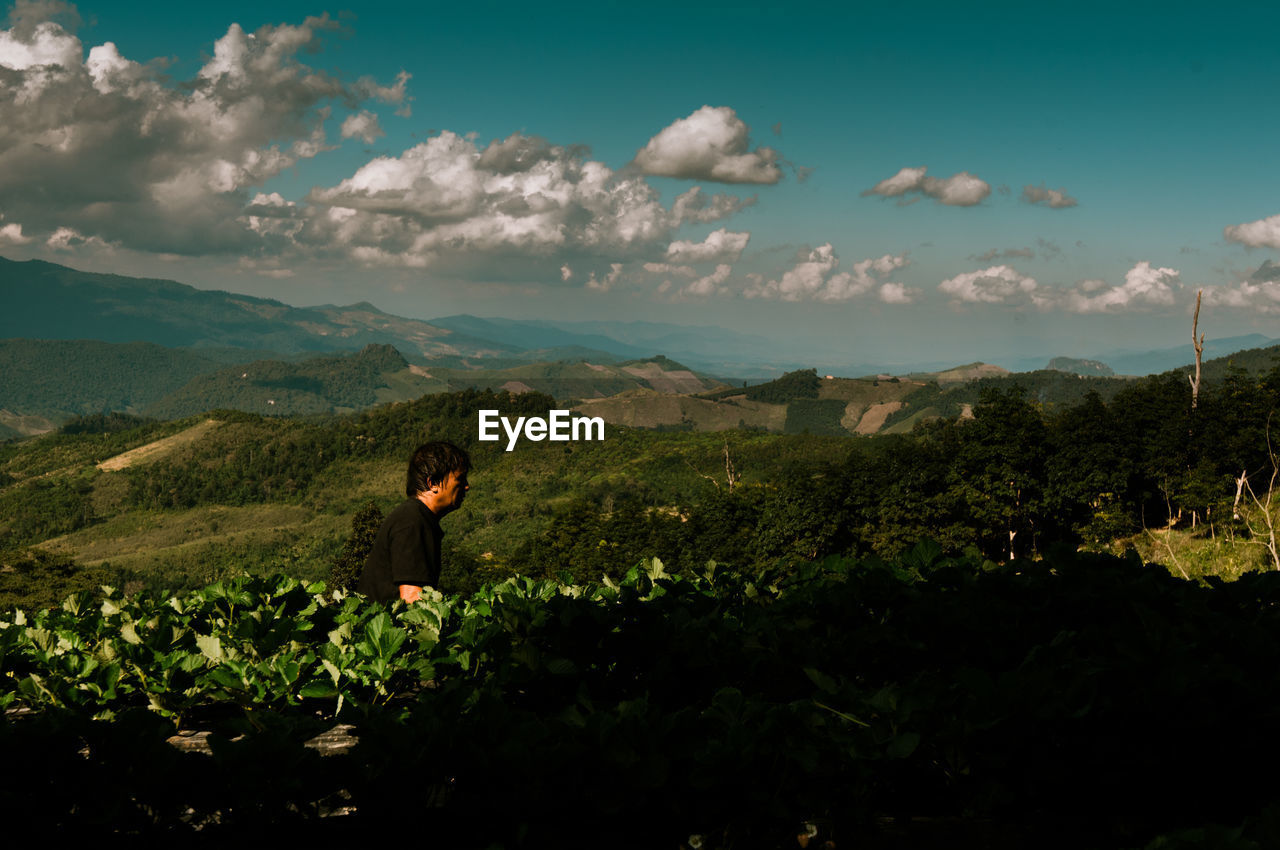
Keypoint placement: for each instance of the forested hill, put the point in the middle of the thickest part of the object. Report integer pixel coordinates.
(60, 378)
(47, 301)
(324, 384)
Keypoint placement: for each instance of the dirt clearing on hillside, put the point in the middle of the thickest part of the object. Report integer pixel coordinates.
(158, 449)
(873, 420)
(675, 381)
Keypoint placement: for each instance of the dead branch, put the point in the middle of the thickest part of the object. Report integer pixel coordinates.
(1169, 549)
(702, 474)
(730, 475)
(1263, 505)
(1199, 345)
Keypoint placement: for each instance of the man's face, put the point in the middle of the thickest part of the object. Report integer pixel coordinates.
(452, 491)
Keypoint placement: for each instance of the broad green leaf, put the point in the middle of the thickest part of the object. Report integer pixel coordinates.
(332, 669)
(211, 647)
(903, 745)
(824, 682)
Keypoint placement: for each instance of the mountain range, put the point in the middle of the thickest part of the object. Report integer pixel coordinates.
(75, 342)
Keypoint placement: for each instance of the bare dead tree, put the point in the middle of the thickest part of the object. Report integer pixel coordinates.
(1267, 526)
(1199, 345)
(732, 476)
(702, 474)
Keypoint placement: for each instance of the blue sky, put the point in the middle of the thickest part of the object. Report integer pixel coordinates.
(886, 184)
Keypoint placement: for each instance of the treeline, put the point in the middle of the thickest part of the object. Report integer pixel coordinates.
(272, 460)
(61, 377)
(315, 385)
(1014, 480)
(1047, 387)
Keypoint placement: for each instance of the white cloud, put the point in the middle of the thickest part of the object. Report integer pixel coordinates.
(565, 272)
(906, 180)
(519, 196)
(1259, 293)
(958, 190)
(11, 234)
(1262, 297)
(995, 285)
(712, 284)
(896, 293)
(711, 144)
(362, 125)
(67, 239)
(670, 269)
(719, 246)
(814, 278)
(123, 153)
(605, 283)
(1143, 286)
(1052, 198)
(1264, 233)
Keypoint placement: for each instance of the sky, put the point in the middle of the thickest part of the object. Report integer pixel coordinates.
(927, 182)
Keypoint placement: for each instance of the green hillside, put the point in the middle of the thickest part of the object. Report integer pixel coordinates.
(325, 384)
(58, 379)
(582, 379)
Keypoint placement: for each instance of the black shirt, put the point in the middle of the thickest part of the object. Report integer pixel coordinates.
(406, 551)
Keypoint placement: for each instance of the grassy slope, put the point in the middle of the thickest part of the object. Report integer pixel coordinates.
(513, 495)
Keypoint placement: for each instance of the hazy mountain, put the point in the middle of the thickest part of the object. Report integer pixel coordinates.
(1077, 366)
(540, 336)
(706, 348)
(47, 301)
(1163, 359)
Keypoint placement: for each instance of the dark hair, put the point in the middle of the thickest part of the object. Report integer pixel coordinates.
(431, 464)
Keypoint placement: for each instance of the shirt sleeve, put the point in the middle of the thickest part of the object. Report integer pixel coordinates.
(410, 558)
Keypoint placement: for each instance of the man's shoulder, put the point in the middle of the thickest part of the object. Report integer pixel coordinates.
(410, 512)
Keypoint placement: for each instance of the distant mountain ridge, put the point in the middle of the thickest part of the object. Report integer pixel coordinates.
(53, 302)
(47, 301)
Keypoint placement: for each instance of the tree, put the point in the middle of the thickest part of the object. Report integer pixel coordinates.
(345, 573)
(1199, 346)
(999, 470)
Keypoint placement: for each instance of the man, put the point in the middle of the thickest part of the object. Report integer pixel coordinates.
(406, 553)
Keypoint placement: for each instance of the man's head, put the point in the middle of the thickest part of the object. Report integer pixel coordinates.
(438, 473)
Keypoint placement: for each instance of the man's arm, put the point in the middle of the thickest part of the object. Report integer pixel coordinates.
(411, 560)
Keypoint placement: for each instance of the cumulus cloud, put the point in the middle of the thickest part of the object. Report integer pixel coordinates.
(605, 283)
(125, 155)
(67, 239)
(520, 196)
(11, 234)
(995, 285)
(670, 269)
(1264, 233)
(1053, 198)
(126, 158)
(711, 144)
(711, 284)
(719, 246)
(958, 190)
(1144, 286)
(896, 293)
(1259, 293)
(362, 125)
(814, 277)
(1261, 297)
